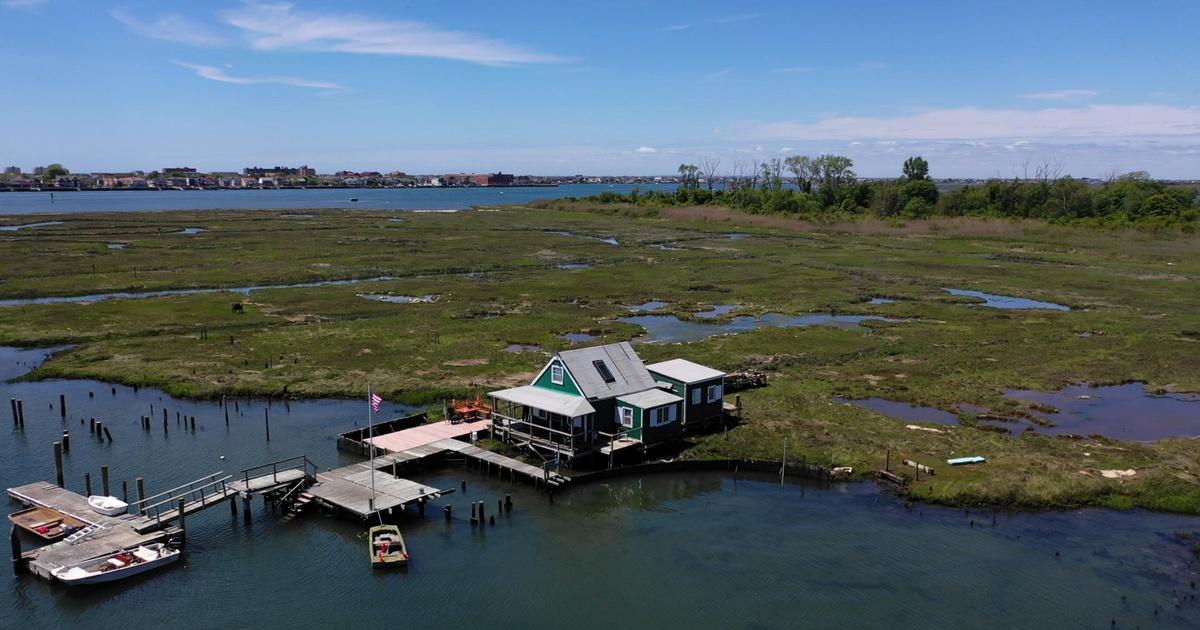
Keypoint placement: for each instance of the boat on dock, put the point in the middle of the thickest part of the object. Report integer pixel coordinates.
(46, 523)
(118, 566)
(387, 547)
(108, 506)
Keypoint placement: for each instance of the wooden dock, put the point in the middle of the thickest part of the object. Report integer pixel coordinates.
(349, 489)
(108, 533)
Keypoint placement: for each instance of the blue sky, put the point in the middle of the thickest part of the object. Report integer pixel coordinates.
(978, 88)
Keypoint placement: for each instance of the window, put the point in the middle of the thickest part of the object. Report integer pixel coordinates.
(626, 417)
(556, 374)
(602, 368)
(696, 393)
(714, 393)
(663, 415)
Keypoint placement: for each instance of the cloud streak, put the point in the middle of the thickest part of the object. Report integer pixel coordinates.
(280, 27)
(1060, 95)
(1092, 122)
(23, 4)
(172, 28)
(214, 73)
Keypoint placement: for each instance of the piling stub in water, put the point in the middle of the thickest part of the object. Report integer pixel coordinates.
(104, 479)
(58, 464)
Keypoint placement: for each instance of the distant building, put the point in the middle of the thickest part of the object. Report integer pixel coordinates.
(477, 179)
(306, 171)
(39, 170)
(278, 171)
(12, 170)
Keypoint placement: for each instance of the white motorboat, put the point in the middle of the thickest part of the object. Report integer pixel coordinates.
(108, 506)
(118, 566)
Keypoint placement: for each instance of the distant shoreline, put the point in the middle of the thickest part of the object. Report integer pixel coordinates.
(248, 188)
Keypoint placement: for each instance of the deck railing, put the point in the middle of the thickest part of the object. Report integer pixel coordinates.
(543, 434)
(299, 461)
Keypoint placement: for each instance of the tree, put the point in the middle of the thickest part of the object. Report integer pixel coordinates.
(804, 169)
(54, 171)
(688, 176)
(709, 166)
(916, 168)
(922, 189)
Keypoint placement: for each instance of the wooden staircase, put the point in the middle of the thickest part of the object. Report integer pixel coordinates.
(297, 507)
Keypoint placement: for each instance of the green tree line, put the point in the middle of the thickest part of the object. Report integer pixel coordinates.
(826, 187)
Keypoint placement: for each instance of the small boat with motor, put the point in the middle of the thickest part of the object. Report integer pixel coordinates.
(108, 506)
(387, 547)
(118, 566)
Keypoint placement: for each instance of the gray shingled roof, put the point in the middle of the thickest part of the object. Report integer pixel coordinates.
(629, 373)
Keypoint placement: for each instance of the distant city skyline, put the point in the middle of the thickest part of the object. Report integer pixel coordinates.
(620, 88)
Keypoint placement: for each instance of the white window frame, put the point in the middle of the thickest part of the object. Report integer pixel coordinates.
(663, 415)
(697, 395)
(556, 374)
(714, 393)
(626, 417)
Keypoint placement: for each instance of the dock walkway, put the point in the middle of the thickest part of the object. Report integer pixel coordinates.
(110, 534)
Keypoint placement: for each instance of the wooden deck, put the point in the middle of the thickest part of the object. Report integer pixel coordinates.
(111, 533)
(416, 437)
(349, 488)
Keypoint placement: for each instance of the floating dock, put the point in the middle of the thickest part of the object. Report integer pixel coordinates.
(104, 534)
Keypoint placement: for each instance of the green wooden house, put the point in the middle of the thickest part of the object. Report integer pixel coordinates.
(588, 400)
(701, 388)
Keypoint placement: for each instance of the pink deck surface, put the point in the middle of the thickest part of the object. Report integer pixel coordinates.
(426, 434)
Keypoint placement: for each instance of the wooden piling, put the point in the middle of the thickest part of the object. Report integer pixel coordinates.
(233, 506)
(104, 479)
(15, 540)
(21, 412)
(58, 464)
(66, 440)
(481, 512)
(508, 502)
(165, 431)
(62, 405)
(100, 430)
(193, 424)
(108, 434)
(87, 483)
(141, 495)
(182, 521)
(246, 508)
(473, 517)
(225, 404)
(267, 420)
(125, 491)
(92, 426)
(447, 511)
(13, 403)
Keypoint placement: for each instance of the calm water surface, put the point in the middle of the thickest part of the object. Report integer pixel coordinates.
(373, 198)
(671, 550)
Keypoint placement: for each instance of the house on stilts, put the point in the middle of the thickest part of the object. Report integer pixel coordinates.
(602, 399)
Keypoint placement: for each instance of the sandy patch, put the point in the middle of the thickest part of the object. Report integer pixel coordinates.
(1117, 474)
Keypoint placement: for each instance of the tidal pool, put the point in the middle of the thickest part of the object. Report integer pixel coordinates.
(992, 300)
(1123, 412)
(903, 410)
(647, 307)
(573, 266)
(28, 226)
(116, 245)
(720, 550)
(398, 299)
(716, 311)
(125, 295)
(578, 337)
(671, 329)
(189, 231)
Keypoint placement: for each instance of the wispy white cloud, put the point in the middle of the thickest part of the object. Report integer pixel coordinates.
(214, 73)
(645, 150)
(677, 27)
(1060, 95)
(1095, 122)
(23, 4)
(172, 28)
(718, 75)
(280, 27)
(730, 19)
(792, 70)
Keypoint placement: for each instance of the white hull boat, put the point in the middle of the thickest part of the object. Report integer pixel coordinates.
(108, 506)
(118, 566)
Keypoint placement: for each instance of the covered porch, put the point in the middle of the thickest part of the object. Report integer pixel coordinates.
(549, 421)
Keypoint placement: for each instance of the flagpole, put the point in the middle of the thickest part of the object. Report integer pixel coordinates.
(371, 441)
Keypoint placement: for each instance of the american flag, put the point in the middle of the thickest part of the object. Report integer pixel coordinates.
(375, 400)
